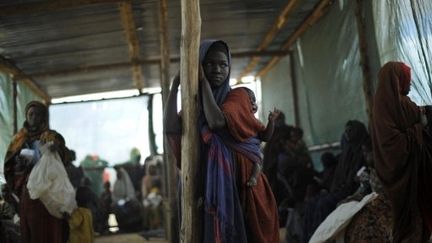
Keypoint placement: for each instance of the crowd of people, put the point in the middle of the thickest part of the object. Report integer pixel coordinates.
(376, 189)
(48, 199)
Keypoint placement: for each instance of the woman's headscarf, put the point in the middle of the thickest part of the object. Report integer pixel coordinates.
(32, 132)
(222, 91)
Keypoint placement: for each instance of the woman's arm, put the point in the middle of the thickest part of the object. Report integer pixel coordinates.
(172, 123)
(214, 116)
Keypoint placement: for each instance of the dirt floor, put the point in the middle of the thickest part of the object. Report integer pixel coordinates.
(126, 238)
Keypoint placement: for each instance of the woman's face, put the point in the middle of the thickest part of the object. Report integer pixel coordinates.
(216, 68)
(35, 116)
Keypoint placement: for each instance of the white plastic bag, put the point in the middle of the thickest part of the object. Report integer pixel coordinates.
(49, 182)
(333, 227)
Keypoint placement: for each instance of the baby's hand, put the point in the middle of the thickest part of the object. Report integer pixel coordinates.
(274, 114)
(252, 181)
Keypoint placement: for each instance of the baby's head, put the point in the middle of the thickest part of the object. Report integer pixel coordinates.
(47, 137)
(252, 99)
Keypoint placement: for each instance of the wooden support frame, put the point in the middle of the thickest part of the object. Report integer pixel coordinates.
(364, 58)
(191, 228)
(170, 206)
(48, 6)
(129, 26)
(317, 13)
(294, 90)
(16, 72)
(15, 105)
(279, 23)
(153, 61)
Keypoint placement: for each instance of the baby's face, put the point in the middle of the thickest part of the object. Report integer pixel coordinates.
(253, 103)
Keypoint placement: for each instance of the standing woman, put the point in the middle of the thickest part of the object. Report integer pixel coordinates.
(234, 212)
(37, 225)
(402, 151)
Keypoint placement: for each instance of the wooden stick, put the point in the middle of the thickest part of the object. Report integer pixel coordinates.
(364, 58)
(15, 72)
(294, 90)
(152, 61)
(171, 211)
(129, 26)
(279, 23)
(191, 228)
(309, 21)
(48, 6)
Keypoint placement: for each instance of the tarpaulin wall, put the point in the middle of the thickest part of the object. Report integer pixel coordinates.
(6, 115)
(404, 33)
(277, 91)
(329, 78)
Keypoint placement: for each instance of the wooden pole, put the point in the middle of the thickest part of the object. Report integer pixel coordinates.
(294, 90)
(129, 26)
(15, 105)
(150, 61)
(9, 67)
(48, 6)
(317, 13)
(278, 24)
(171, 211)
(191, 228)
(364, 58)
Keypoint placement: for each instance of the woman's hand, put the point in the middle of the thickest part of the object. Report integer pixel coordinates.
(274, 115)
(201, 74)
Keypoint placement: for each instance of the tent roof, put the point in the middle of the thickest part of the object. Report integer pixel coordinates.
(85, 46)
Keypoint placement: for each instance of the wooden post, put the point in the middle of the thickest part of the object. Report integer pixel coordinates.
(364, 58)
(15, 105)
(129, 26)
(191, 228)
(295, 91)
(171, 212)
(312, 18)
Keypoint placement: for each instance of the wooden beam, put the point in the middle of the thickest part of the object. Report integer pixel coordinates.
(191, 228)
(48, 6)
(317, 13)
(294, 91)
(170, 205)
(364, 58)
(278, 24)
(129, 26)
(153, 61)
(15, 106)
(11, 69)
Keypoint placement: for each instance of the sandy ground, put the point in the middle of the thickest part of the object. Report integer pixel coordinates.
(126, 238)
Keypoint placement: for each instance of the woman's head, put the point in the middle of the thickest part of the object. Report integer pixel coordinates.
(216, 64)
(36, 115)
(399, 73)
(355, 132)
(215, 59)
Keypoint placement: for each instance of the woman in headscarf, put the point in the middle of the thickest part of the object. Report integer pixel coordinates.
(234, 212)
(402, 153)
(37, 224)
(351, 160)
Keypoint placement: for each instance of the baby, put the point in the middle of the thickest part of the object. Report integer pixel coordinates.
(264, 135)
